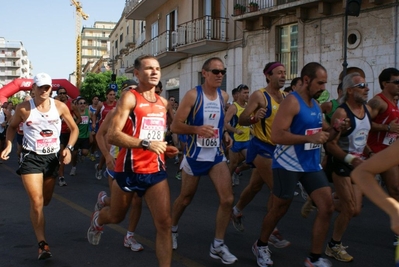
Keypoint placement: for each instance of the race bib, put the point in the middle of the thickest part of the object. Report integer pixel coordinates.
(209, 142)
(310, 146)
(152, 129)
(46, 146)
(85, 120)
(389, 138)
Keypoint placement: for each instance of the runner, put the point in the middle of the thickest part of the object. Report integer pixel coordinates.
(41, 144)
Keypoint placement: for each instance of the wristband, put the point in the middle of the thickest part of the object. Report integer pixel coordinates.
(349, 158)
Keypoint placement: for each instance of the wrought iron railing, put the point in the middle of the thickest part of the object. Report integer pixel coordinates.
(205, 28)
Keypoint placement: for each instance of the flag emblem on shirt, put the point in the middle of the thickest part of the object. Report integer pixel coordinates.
(212, 116)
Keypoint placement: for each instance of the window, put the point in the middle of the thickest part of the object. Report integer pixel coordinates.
(288, 49)
(127, 30)
(116, 44)
(121, 38)
(90, 42)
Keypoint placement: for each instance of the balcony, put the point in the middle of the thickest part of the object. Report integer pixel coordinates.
(278, 8)
(161, 47)
(140, 9)
(201, 36)
(13, 54)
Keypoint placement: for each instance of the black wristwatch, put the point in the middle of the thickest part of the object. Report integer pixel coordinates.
(145, 143)
(70, 147)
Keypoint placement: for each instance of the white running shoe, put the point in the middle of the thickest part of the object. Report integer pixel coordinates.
(277, 240)
(73, 171)
(131, 242)
(98, 173)
(94, 232)
(222, 252)
(262, 254)
(100, 202)
(320, 263)
(174, 240)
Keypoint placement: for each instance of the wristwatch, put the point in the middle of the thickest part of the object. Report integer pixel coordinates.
(70, 147)
(145, 143)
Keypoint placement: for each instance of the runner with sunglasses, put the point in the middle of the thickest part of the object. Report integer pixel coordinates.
(83, 142)
(385, 127)
(200, 117)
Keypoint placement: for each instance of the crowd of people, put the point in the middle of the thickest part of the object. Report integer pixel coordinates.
(283, 136)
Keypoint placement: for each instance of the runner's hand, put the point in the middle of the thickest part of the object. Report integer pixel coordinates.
(158, 147)
(205, 131)
(4, 154)
(66, 156)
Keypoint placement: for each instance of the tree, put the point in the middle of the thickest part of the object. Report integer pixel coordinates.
(15, 100)
(97, 84)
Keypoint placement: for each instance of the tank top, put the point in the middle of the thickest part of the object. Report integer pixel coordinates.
(377, 141)
(42, 130)
(301, 157)
(245, 136)
(209, 112)
(334, 106)
(354, 140)
(84, 125)
(263, 128)
(105, 109)
(146, 121)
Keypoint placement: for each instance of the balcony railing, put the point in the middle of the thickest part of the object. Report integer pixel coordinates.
(290, 61)
(262, 4)
(205, 28)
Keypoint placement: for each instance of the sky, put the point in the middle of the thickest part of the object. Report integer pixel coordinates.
(47, 29)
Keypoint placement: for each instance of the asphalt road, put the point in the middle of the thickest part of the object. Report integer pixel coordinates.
(68, 217)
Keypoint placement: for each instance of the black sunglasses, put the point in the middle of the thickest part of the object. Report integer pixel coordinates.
(82, 103)
(62, 93)
(241, 87)
(394, 82)
(361, 85)
(216, 71)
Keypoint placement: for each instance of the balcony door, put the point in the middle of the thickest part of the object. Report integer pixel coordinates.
(171, 30)
(154, 38)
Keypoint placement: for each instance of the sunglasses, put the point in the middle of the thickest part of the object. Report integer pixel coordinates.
(82, 103)
(62, 93)
(45, 87)
(394, 82)
(361, 85)
(216, 71)
(241, 87)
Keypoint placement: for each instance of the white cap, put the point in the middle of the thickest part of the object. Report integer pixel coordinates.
(42, 79)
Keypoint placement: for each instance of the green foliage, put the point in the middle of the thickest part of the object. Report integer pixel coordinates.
(254, 4)
(240, 7)
(97, 84)
(15, 100)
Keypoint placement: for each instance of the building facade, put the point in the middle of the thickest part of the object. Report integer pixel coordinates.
(95, 44)
(248, 34)
(14, 61)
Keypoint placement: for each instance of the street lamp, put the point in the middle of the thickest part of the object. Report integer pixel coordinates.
(352, 9)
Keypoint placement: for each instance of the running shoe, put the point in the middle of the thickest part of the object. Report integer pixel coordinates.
(178, 175)
(321, 262)
(73, 171)
(236, 179)
(100, 201)
(97, 154)
(222, 253)
(98, 173)
(277, 240)
(61, 181)
(307, 208)
(131, 242)
(395, 240)
(44, 251)
(237, 221)
(174, 240)
(304, 194)
(94, 232)
(338, 252)
(262, 254)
